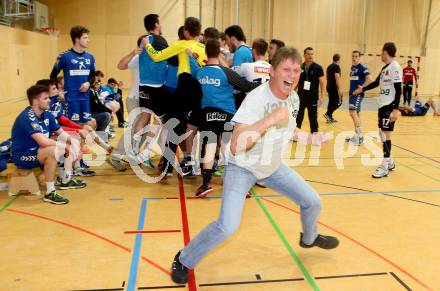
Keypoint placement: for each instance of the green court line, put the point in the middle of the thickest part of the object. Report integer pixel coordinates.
(9, 203)
(286, 243)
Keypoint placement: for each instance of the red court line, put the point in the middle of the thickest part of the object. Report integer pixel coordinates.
(92, 234)
(192, 285)
(151, 231)
(358, 243)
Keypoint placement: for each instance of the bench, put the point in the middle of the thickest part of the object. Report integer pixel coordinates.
(23, 180)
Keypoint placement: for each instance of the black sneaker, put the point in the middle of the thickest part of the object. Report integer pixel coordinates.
(55, 198)
(321, 241)
(328, 118)
(179, 273)
(203, 191)
(72, 184)
(116, 163)
(84, 172)
(83, 165)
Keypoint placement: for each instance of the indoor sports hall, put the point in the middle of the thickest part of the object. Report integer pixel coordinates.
(324, 176)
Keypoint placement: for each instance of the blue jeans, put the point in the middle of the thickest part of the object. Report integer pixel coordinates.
(236, 183)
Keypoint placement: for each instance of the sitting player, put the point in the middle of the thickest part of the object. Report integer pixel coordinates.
(84, 131)
(33, 148)
(419, 109)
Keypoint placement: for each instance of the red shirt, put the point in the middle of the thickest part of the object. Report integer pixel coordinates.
(408, 74)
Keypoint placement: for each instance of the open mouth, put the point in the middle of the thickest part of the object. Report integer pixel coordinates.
(288, 83)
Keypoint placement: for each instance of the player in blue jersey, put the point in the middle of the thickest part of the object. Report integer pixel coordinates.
(218, 107)
(32, 146)
(359, 76)
(152, 93)
(236, 41)
(78, 68)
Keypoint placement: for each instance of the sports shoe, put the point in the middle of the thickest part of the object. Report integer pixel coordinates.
(72, 184)
(83, 164)
(179, 273)
(123, 124)
(203, 191)
(83, 172)
(116, 163)
(382, 170)
(55, 198)
(219, 171)
(328, 118)
(145, 160)
(391, 165)
(321, 241)
(188, 169)
(332, 120)
(131, 158)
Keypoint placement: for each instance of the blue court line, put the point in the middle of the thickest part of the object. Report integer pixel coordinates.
(322, 194)
(131, 285)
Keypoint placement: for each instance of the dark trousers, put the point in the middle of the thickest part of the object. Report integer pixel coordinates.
(312, 110)
(407, 91)
(120, 112)
(102, 120)
(334, 102)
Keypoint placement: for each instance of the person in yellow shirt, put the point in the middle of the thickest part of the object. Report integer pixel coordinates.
(186, 105)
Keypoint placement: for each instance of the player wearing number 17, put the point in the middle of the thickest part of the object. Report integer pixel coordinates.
(390, 82)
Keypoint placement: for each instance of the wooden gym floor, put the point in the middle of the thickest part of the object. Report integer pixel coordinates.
(388, 228)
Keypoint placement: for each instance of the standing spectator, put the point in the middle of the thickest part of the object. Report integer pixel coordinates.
(334, 88)
(409, 78)
(312, 77)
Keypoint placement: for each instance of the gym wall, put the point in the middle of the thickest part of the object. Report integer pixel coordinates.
(329, 26)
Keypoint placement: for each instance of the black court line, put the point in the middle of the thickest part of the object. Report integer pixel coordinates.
(162, 287)
(109, 289)
(394, 145)
(338, 185)
(414, 200)
(123, 283)
(291, 279)
(360, 189)
(400, 281)
(258, 276)
(250, 282)
(352, 275)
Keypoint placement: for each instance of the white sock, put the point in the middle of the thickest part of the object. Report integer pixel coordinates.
(67, 176)
(136, 142)
(60, 171)
(358, 131)
(50, 186)
(77, 164)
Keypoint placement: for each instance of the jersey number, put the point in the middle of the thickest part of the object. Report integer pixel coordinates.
(385, 121)
(385, 91)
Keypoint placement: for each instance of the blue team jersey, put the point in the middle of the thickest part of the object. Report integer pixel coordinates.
(76, 70)
(242, 55)
(28, 123)
(56, 107)
(150, 72)
(171, 79)
(357, 77)
(217, 91)
(194, 65)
